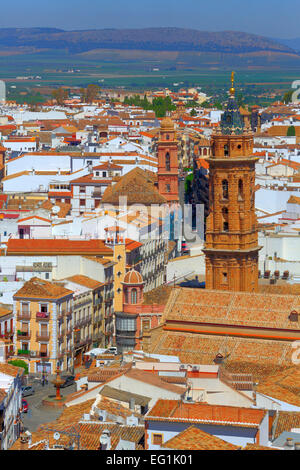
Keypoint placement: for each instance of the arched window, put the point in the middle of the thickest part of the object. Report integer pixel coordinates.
(225, 219)
(168, 166)
(133, 296)
(241, 190)
(225, 189)
(205, 151)
(226, 150)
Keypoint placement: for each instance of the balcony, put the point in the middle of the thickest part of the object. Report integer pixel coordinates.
(23, 315)
(23, 335)
(24, 352)
(69, 350)
(42, 337)
(61, 335)
(42, 355)
(60, 315)
(61, 354)
(42, 316)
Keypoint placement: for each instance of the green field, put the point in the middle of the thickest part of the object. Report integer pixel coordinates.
(54, 70)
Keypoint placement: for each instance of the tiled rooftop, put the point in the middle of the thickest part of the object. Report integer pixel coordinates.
(193, 438)
(42, 289)
(196, 412)
(234, 308)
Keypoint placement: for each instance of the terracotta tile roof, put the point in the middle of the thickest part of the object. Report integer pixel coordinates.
(194, 438)
(154, 380)
(5, 311)
(41, 289)
(174, 410)
(257, 356)
(90, 432)
(287, 420)
(64, 207)
(3, 394)
(85, 281)
(251, 446)
(137, 185)
(103, 261)
(114, 408)
(284, 386)
(234, 308)
(9, 369)
(57, 246)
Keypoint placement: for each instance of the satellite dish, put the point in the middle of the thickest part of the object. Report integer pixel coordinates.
(56, 436)
(55, 209)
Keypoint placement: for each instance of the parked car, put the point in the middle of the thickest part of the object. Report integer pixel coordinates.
(24, 406)
(111, 350)
(68, 380)
(27, 391)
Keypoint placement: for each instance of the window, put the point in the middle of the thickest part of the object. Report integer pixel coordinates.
(168, 165)
(82, 202)
(157, 439)
(225, 189)
(225, 219)
(226, 150)
(241, 190)
(168, 188)
(134, 296)
(224, 278)
(104, 174)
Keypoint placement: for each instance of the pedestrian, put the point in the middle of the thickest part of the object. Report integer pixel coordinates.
(43, 380)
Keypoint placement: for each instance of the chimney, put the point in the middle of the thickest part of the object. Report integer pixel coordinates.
(289, 445)
(132, 404)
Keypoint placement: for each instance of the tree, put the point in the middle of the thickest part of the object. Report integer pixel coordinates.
(287, 97)
(193, 112)
(92, 92)
(291, 132)
(60, 95)
(20, 363)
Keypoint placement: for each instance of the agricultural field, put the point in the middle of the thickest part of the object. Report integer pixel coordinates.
(110, 69)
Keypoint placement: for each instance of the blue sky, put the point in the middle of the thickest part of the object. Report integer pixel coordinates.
(273, 18)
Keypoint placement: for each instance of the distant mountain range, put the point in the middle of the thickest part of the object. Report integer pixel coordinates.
(186, 48)
(170, 39)
(292, 43)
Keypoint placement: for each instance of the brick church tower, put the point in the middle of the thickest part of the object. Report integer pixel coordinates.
(231, 249)
(167, 148)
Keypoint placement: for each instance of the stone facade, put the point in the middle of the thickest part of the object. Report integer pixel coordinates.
(167, 149)
(231, 248)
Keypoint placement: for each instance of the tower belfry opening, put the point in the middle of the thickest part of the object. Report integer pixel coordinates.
(231, 249)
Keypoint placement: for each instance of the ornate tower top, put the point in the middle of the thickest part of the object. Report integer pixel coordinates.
(232, 121)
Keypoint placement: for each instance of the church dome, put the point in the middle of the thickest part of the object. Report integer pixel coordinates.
(133, 277)
(167, 124)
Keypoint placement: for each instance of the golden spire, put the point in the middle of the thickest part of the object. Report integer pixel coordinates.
(232, 89)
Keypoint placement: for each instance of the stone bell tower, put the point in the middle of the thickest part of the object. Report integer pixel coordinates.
(167, 152)
(231, 249)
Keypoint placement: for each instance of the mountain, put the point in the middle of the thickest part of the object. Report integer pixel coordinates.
(293, 43)
(168, 39)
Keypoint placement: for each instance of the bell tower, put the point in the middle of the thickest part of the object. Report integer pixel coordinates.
(167, 148)
(231, 249)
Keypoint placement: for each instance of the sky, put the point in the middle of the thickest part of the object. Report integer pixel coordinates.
(272, 18)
